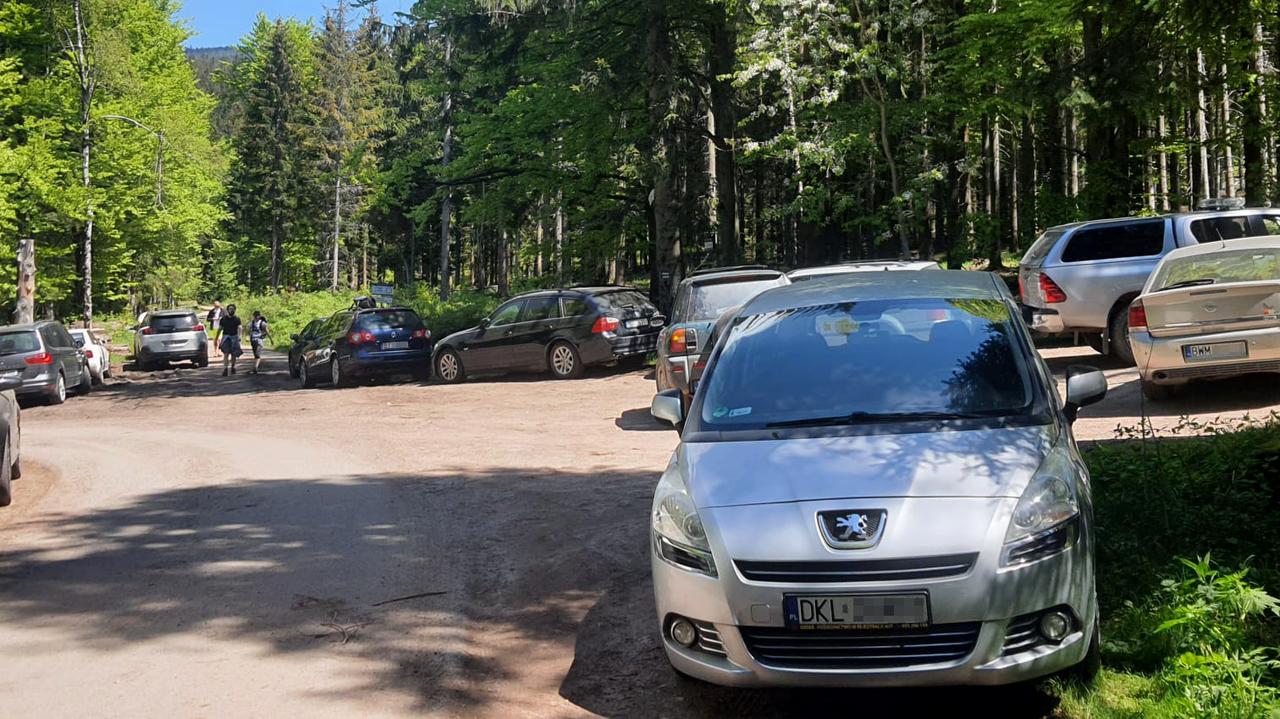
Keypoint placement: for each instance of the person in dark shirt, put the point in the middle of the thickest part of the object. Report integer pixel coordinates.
(229, 331)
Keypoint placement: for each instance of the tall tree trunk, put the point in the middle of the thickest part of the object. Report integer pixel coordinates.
(1162, 156)
(86, 75)
(666, 237)
(1228, 158)
(337, 227)
(724, 43)
(1202, 129)
(446, 156)
(1255, 104)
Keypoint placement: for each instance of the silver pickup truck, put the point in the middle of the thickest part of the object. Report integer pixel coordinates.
(1081, 277)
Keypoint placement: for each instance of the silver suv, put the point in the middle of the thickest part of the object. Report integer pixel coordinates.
(170, 336)
(1082, 277)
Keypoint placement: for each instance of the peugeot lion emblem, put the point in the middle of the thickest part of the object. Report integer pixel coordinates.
(851, 528)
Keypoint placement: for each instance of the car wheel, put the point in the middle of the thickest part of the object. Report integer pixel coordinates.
(1120, 347)
(59, 394)
(15, 470)
(202, 361)
(86, 382)
(1157, 392)
(337, 377)
(1087, 670)
(293, 369)
(6, 483)
(449, 366)
(304, 376)
(564, 361)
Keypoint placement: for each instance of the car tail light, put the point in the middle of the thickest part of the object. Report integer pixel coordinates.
(42, 358)
(1022, 288)
(198, 328)
(360, 337)
(1137, 316)
(605, 324)
(88, 353)
(421, 334)
(682, 341)
(1050, 290)
(148, 330)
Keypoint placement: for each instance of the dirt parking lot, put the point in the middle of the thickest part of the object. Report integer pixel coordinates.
(187, 545)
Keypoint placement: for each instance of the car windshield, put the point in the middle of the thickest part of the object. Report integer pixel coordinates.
(12, 343)
(1226, 266)
(78, 338)
(866, 362)
(709, 301)
(622, 299)
(389, 320)
(173, 323)
(1040, 248)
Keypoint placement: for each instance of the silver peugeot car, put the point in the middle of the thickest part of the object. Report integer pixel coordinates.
(877, 485)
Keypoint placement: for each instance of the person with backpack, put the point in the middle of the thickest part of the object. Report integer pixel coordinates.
(229, 332)
(214, 319)
(258, 333)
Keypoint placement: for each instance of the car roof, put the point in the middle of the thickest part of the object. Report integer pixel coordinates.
(24, 327)
(1194, 214)
(863, 266)
(729, 275)
(171, 313)
(1268, 242)
(861, 286)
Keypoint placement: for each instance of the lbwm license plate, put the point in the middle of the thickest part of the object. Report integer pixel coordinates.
(1217, 351)
(395, 345)
(856, 611)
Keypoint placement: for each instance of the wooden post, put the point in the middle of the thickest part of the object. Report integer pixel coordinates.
(25, 310)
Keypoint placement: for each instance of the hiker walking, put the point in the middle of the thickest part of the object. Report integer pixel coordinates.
(229, 332)
(258, 334)
(214, 319)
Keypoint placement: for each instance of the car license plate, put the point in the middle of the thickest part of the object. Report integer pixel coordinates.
(395, 345)
(1217, 351)
(856, 611)
(632, 324)
(655, 321)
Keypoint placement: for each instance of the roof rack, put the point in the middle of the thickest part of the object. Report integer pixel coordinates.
(733, 268)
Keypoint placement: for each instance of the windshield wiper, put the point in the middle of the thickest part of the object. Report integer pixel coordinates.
(878, 418)
(1188, 283)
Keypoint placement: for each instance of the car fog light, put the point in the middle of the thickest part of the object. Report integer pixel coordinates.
(1055, 625)
(683, 632)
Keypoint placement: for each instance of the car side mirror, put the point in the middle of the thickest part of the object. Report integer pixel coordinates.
(1085, 386)
(668, 407)
(484, 323)
(295, 337)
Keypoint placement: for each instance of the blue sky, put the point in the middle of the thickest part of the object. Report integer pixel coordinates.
(223, 22)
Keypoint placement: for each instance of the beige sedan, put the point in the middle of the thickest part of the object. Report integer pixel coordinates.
(1207, 312)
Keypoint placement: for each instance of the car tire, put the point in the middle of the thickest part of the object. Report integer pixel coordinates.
(449, 366)
(293, 369)
(1157, 392)
(564, 361)
(86, 382)
(1120, 347)
(6, 483)
(1084, 673)
(15, 470)
(202, 361)
(304, 376)
(337, 377)
(59, 393)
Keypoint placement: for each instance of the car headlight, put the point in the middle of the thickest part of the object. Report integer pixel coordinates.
(1046, 519)
(678, 534)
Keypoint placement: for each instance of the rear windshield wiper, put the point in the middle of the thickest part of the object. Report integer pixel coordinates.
(878, 418)
(1188, 283)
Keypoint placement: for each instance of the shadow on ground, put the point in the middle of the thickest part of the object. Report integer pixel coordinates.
(444, 598)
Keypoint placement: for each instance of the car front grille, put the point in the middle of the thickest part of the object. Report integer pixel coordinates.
(865, 570)
(1222, 370)
(1023, 634)
(868, 649)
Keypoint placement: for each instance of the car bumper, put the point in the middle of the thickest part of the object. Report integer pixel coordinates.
(1160, 359)
(169, 349)
(600, 349)
(1042, 320)
(39, 386)
(388, 363)
(986, 596)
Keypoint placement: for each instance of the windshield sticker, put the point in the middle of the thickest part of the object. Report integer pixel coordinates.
(836, 328)
(740, 412)
(720, 412)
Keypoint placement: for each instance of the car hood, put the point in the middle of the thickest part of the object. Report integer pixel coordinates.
(969, 463)
(458, 336)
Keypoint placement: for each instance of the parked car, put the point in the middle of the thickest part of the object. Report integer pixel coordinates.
(300, 342)
(364, 343)
(700, 300)
(1208, 312)
(857, 504)
(844, 268)
(11, 425)
(96, 353)
(45, 358)
(1081, 277)
(561, 331)
(166, 336)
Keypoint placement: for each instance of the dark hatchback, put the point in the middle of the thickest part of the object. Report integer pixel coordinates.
(560, 331)
(362, 343)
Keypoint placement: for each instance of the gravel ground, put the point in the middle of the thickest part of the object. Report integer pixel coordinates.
(187, 545)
